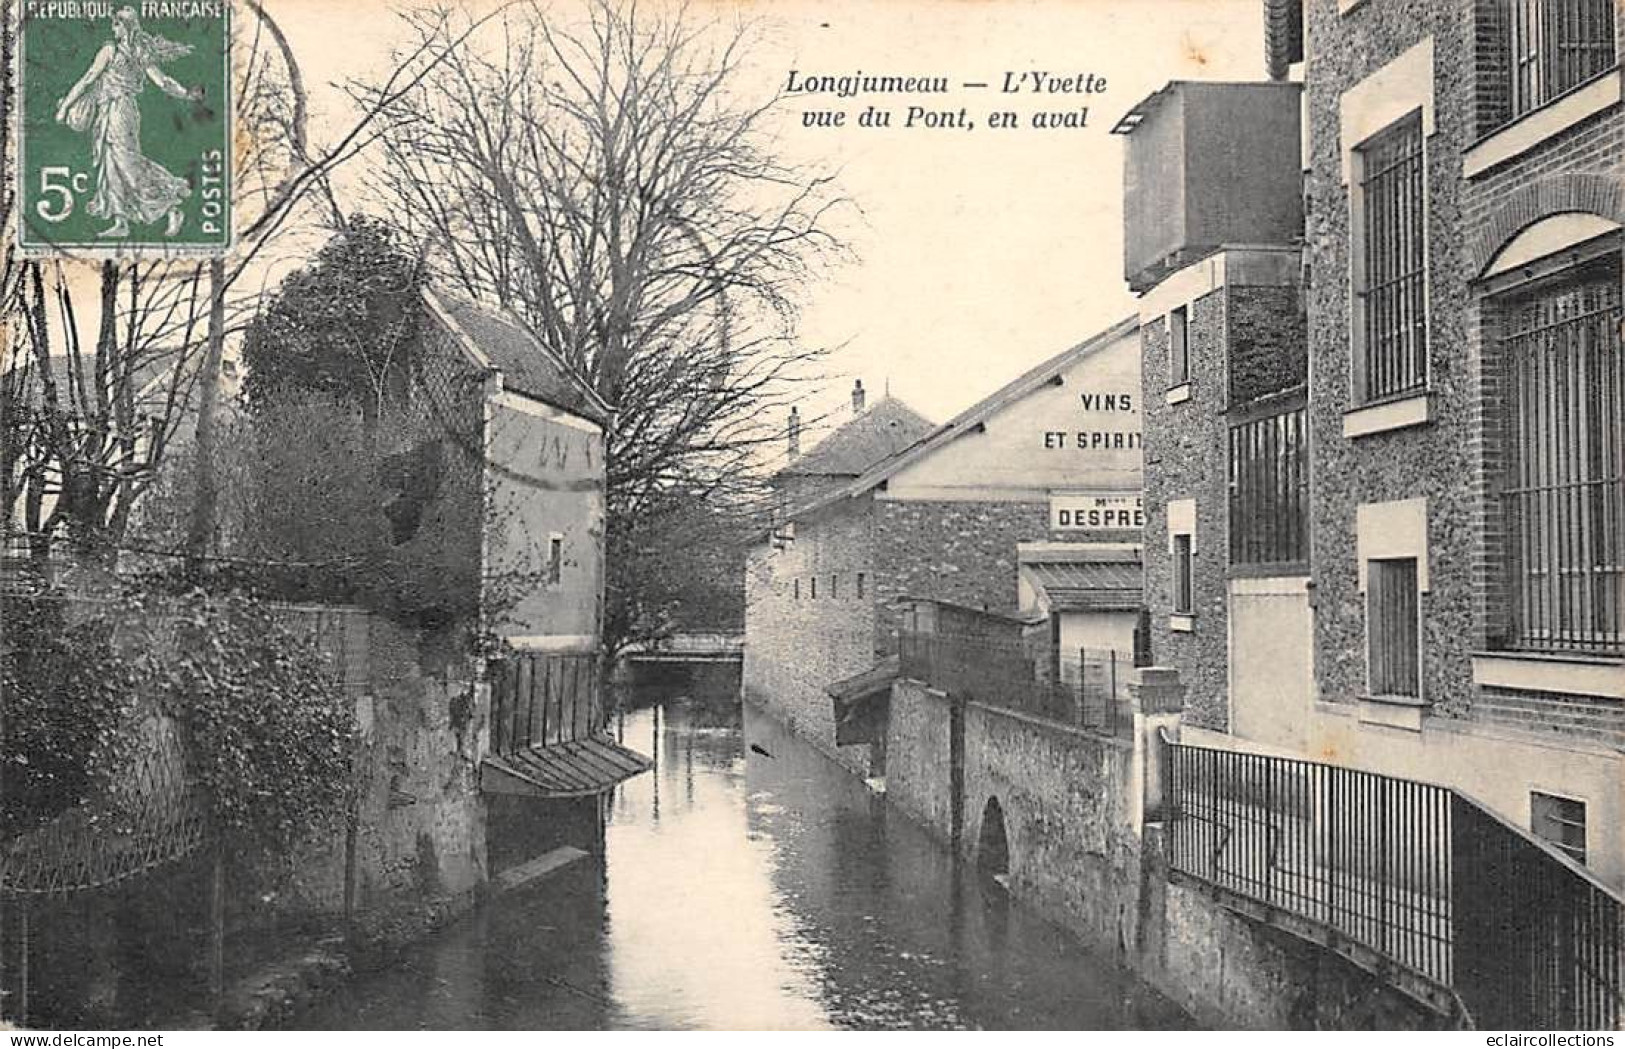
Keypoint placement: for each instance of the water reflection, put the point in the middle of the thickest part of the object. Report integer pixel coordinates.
(748, 883)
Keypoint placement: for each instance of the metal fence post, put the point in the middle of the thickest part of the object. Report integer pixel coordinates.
(217, 926)
(22, 965)
(1269, 831)
(1159, 701)
(1110, 720)
(1083, 688)
(1384, 883)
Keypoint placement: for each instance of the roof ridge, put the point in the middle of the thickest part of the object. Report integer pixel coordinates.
(858, 442)
(993, 402)
(445, 303)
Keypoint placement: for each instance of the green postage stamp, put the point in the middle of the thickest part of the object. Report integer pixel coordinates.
(124, 130)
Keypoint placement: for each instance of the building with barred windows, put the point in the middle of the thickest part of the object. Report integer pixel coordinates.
(1385, 446)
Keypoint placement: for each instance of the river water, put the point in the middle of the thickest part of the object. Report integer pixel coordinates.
(747, 882)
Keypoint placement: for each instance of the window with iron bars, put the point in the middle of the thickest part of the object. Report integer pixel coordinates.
(1269, 479)
(1554, 46)
(1184, 589)
(1563, 498)
(1393, 653)
(1393, 361)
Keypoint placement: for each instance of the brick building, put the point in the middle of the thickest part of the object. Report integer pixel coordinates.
(1052, 457)
(1464, 571)
(1225, 372)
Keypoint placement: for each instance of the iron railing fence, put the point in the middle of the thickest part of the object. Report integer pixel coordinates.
(1564, 503)
(544, 698)
(1269, 487)
(1085, 688)
(1556, 45)
(1538, 943)
(1415, 872)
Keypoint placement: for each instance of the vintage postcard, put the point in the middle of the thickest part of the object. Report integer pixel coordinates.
(653, 515)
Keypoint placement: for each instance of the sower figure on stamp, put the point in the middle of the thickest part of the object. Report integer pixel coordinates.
(130, 187)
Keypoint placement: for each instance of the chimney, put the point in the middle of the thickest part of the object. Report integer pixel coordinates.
(795, 434)
(857, 396)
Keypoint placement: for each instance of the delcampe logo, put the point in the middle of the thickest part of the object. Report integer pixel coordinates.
(124, 137)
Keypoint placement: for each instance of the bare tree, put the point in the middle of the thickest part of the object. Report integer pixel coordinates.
(609, 183)
(93, 409)
(99, 416)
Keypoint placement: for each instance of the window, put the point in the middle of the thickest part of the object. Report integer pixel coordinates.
(1555, 45)
(1393, 654)
(1560, 821)
(834, 586)
(555, 558)
(1184, 599)
(1563, 493)
(814, 581)
(860, 584)
(795, 589)
(1391, 269)
(1269, 521)
(1179, 357)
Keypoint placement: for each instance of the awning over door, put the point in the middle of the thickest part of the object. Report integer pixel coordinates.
(1086, 586)
(577, 769)
(858, 719)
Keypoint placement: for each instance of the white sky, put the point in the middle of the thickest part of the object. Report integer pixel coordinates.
(980, 253)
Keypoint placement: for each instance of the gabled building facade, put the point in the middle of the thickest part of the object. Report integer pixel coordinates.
(541, 437)
(536, 433)
(1054, 456)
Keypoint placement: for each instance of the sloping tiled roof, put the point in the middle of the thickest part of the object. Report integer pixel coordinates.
(865, 685)
(1073, 586)
(863, 440)
(527, 366)
(576, 769)
(968, 419)
(1006, 395)
(149, 380)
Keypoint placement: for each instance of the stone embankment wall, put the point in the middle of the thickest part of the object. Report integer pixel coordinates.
(419, 841)
(1071, 803)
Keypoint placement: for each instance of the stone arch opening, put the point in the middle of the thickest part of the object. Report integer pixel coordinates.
(993, 844)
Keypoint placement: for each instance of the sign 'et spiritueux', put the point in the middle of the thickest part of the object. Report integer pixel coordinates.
(1099, 440)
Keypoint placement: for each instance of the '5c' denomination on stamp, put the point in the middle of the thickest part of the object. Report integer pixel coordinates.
(124, 136)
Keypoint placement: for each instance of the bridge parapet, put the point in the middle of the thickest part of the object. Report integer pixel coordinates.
(714, 647)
